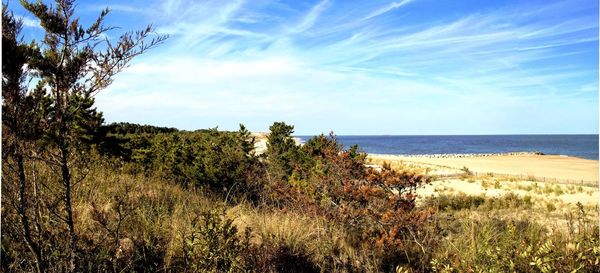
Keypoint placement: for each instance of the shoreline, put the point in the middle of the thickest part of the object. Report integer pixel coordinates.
(460, 155)
(475, 155)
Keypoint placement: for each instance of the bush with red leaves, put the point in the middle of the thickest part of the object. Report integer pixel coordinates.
(375, 205)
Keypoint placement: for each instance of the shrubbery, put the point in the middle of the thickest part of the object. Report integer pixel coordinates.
(155, 221)
(214, 245)
(218, 161)
(462, 201)
(222, 162)
(375, 207)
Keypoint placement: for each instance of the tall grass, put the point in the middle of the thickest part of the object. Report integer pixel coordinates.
(493, 245)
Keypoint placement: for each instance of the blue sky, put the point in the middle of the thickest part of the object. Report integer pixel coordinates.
(358, 67)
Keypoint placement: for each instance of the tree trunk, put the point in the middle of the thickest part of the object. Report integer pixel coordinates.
(36, 199)
(33, 247)
(66, 177)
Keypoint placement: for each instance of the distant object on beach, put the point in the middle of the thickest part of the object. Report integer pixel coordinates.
(473, 155)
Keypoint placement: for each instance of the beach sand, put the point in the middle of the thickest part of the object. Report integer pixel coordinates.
(260, 141)
(563, 168)
(550, 178)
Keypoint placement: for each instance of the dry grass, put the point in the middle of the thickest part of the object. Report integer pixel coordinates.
(323, 241)
(155, 211)
(147, 209)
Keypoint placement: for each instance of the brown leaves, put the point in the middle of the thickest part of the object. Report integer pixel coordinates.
(375, 206)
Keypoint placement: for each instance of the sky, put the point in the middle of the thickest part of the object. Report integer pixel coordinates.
(407, 67)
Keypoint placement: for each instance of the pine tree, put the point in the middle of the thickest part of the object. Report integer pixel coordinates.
(19, 132)
(73, 63)
(281, 150)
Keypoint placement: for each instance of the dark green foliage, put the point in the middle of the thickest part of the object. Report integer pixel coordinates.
(124, 128)
(18, 105)
(127, 141)
(461, 201)
(318, 151)
(222, 162)
(282, 151)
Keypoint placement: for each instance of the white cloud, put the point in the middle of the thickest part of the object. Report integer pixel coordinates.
(30, 22)
(476, 67)
(233, 91)
(385, 9)
(310, 18)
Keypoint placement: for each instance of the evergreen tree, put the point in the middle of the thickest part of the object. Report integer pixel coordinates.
(72, 64)
(19, 132)
(281, 150)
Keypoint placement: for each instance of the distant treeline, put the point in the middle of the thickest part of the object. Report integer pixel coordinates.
(123, 128)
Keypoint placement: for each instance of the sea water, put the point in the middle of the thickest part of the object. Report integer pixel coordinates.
(583, 146)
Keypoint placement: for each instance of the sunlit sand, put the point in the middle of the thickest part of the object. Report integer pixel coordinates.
(563, 168)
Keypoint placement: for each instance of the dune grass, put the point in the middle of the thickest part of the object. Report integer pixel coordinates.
(140, 222)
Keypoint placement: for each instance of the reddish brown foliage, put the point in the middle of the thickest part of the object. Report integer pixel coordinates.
(376, 206)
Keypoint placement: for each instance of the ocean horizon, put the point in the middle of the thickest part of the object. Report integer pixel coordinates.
(576, 145)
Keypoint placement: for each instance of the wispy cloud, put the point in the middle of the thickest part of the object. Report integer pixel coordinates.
(311, 17)
(387, 8)
(261, 60)
(29, 22)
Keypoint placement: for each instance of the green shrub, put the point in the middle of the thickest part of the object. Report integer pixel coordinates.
(220, 162)
(213, 244)
(509, 200)
(461, 201)
(550, 207)
(558, 190)
(548, 189)
(282, 151)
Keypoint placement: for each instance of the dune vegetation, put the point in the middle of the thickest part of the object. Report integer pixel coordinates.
(157, 199)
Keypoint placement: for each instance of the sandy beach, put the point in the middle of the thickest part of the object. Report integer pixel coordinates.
(568, 180)
(539, 166)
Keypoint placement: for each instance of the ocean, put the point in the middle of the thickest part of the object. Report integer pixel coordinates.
(583, 146)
